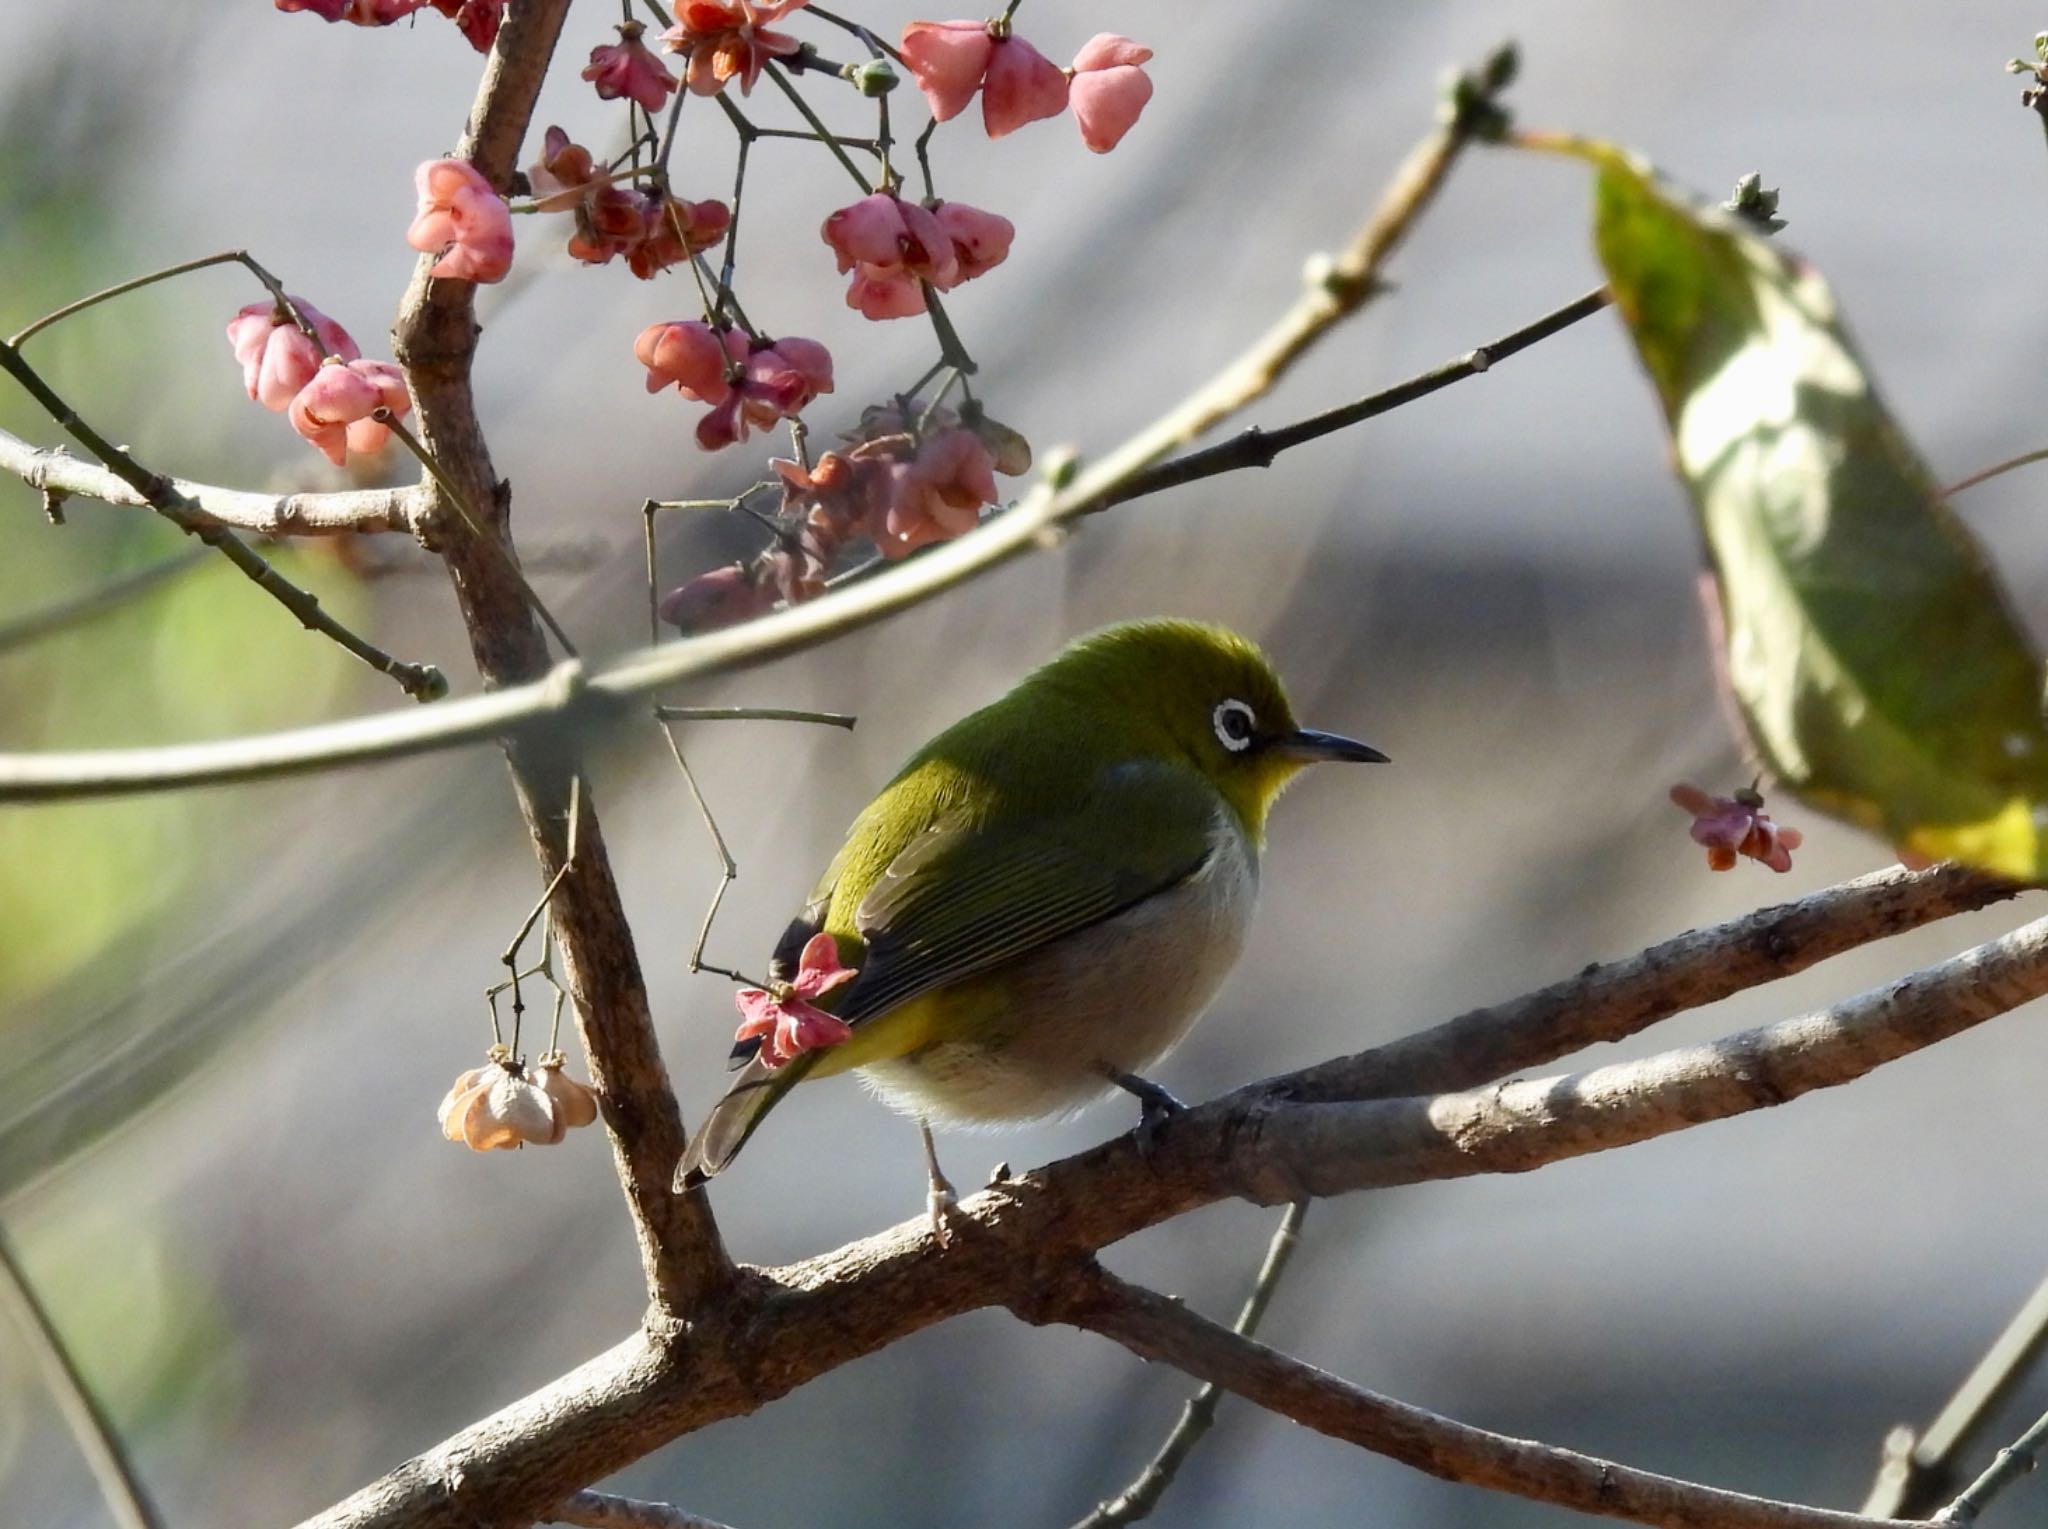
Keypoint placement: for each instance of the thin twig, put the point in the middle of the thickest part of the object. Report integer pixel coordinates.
(1137, 1500)
(754, 714)
(824, 134)
(728, 868)
(80, 608)
(225, 257)
(423, 682)
(97, 1442)
(1919, 1471)
(1258, 448)
(1999, 470)
(459, 501)
(2017, 1459)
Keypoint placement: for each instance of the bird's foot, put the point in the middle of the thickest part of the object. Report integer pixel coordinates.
(941, 1205)
(1155, 1106)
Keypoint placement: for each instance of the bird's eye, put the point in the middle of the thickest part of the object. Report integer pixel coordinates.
(1234, 725)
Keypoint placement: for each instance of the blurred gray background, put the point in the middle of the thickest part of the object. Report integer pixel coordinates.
(229, 1015)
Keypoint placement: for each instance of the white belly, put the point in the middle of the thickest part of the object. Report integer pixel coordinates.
(1112, 998)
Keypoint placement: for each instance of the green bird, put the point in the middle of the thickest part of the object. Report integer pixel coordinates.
(1042, 902)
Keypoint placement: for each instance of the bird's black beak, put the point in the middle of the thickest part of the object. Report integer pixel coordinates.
(1310, 747)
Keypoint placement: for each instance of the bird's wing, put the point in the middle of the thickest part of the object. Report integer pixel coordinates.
(964, 897)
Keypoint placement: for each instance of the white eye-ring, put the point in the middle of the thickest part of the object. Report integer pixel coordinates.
(1234, 725)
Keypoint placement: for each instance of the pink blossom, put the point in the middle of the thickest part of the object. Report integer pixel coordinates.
(277, 356)
(724, 39)
(785, 1020)
(1022, 85)
(478, 20)
(1729, 827)
(687, 356)
(564, 169)
(948, 60)
(673, 229)
(953, 59)
(981, 240)
(463, 220)
(326, 10)
(938, 494)
(1109, 89)
(333, 410)
(505, 1104)
(723, 597)
(629, 68)
(891, 246)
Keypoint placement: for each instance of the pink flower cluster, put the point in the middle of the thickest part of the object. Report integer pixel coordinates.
(899, 488)
(728, 39)
(653, 232)
(749, 383)
(322, 386)
(462, 220)
(477, 19)
(1735, 826)
(894, 247)
(787, 1020)
(1107, 85)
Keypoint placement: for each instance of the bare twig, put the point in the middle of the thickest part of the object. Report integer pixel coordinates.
(364, 510)
(182, 268)
(1137, 1500)
(97, 1442)
(1155, 1327)
(1998, 470)
(1013, 1243)
(753, 714)
(2017, 1459)
(1919, 1470)
(81, 608)
(603, 1510)
(423, 682)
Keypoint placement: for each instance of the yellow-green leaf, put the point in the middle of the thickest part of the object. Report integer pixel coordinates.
(1873, 653)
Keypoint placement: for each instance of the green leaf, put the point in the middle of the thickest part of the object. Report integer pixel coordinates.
(1875, 658)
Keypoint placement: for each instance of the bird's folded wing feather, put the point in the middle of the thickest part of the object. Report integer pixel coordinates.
(964, 897)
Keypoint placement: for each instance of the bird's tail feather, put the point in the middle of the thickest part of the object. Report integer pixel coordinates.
(756, 1090)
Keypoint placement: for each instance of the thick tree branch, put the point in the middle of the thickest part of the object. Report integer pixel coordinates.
(435, 340)
(602, 1510)
(1158, 1328)
(362, 510)
(1015, 1241)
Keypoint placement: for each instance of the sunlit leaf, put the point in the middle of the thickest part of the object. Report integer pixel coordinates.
(1880, 668)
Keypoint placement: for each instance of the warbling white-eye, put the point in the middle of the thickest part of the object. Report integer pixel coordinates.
(1043, 900)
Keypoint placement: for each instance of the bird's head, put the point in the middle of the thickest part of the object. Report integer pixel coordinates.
(1200, 696)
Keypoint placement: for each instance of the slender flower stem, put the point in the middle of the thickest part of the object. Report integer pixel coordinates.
(874, 43)
(824, 134)
(119, 1485)
(469, 516)
(1998, 471)
(225, 257)
(423, 682)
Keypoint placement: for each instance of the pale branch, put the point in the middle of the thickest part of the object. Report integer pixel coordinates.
(1613, 1000)
(127, 1502)
(516, 711)
(61, 615)
(603, 1510)
(1198, 1416)
(1920, 1470)
(2017, 1459)
(343, 512)
(423, 682)
(1156, 1327)
(467, 513)
(777, 1329)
